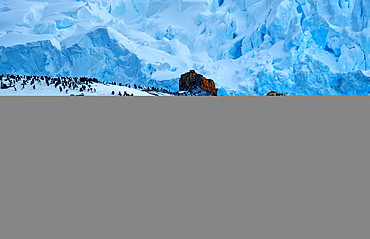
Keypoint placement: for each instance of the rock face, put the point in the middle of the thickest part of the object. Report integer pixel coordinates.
(273, 93)
(197, 84)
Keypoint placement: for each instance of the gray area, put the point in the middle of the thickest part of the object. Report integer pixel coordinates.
(184, 167)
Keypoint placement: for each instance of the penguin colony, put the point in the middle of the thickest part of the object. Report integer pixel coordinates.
(67, 84)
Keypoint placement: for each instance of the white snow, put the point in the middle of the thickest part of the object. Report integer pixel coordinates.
(41, 89)
(13, 38)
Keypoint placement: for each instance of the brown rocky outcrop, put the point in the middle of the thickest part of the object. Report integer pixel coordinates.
(193, 81)
(273, 93)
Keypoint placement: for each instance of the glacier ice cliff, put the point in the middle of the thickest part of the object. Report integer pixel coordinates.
(248, 47)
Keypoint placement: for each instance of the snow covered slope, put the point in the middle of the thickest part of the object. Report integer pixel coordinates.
(248, 47)
(58, 86)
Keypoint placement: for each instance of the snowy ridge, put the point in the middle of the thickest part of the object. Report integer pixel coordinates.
(11, 85)
(248, 47)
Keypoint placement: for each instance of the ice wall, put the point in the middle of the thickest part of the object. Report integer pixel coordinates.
(248, 47)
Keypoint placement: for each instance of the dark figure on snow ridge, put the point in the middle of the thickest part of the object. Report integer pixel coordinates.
(60, 88)
(119, 93)
(34, 87)
(113, 92)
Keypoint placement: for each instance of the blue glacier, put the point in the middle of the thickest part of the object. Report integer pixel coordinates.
(248, 47)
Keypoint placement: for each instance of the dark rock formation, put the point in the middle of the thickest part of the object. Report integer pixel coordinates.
(197, 84)
(273, 93)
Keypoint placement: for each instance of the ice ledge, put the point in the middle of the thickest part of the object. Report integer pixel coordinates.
(14, 38)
